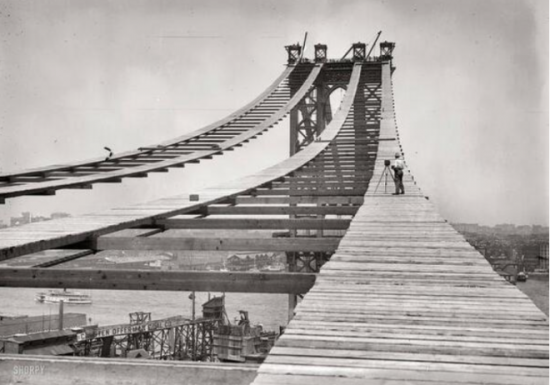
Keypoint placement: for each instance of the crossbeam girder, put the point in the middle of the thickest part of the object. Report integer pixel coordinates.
(254, 223)
(281, 210)
(352, 200)
(218, 243)
(233, 282)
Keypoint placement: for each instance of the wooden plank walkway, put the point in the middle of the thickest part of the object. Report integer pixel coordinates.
(240, 127)
(406, 300)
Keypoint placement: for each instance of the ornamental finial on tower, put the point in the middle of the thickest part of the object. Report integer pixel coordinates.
(386, 50)
(359, 51)
(294, 52)
(320, 53)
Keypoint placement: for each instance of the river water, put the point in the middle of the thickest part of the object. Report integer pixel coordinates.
(111, 307)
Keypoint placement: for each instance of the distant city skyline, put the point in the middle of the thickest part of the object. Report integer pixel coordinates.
(502, 227)
(28, 217)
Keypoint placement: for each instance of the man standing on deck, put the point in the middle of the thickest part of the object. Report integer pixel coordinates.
(398, 167)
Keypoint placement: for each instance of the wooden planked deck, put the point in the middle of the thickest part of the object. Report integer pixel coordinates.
(406, 300)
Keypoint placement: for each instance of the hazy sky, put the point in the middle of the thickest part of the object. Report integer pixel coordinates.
(471, 91)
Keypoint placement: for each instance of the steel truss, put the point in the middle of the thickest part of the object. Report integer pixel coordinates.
(191, 341)
(308, 119)
(307, 261)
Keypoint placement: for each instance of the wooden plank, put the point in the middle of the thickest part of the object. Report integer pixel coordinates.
(304, 199)
(414, 335)
(299, 180)
(380, 300)
(46, 258)
(348, 362)
(441, 330)
(414, 357)
(281, 210)
(286, 283)
(249, 223)
(457, 312)
(309, 192)
(391, 288)
(525, 309)
(397, 320)
(47, 370)
(128, 233)
(408, 267)
(226, 244)
(412, 376)
(345, 183)
(417, 346)
(277, 379)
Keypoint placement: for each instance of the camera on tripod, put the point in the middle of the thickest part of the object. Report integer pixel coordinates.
(385, 174)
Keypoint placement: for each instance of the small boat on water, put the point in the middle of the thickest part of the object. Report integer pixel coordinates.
(522, 276)
(68, 297)
(275, 268)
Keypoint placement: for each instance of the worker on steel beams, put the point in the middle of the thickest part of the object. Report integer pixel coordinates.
(398, 167)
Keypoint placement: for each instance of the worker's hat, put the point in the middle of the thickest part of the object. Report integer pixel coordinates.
(397, 155)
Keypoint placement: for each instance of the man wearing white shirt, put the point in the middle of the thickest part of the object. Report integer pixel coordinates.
(398, 167)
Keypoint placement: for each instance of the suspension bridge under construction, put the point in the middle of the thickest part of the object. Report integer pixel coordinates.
(391, 293)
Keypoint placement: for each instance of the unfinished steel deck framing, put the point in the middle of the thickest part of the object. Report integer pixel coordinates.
(392, 293)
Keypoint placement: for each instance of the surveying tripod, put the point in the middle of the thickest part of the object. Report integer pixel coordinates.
(384, 175)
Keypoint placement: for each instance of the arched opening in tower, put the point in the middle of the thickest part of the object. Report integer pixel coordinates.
(335, 99)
